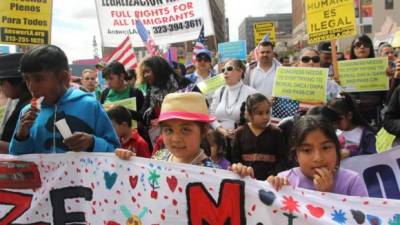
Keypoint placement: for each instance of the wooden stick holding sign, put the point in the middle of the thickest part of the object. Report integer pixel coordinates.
(335, 64)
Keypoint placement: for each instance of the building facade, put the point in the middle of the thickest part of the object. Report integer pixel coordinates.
(283, 25)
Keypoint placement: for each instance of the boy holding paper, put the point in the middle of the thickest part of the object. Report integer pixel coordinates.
(67, 119)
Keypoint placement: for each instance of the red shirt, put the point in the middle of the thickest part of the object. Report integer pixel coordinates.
(137, 145)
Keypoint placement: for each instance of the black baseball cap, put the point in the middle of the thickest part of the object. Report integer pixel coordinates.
(9, 65)
(325, 47)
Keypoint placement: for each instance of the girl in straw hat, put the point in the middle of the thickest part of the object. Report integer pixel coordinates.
(184, 122)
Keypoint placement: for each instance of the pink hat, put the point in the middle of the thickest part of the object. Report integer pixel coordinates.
(185, 106)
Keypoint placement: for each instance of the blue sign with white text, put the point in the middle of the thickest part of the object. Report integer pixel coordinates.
(4, 49)
(232, 50)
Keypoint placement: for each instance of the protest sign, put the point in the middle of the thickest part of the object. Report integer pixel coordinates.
(129, 103)
(381, 172)
(25, 22)
(99, 188)
(2, 112)
(263, 28)
(181, 20)
(301, 83)
(329, 20)
(4, 49)
(396, 40)
(211, 84)
(384, 140)
(364, 75)
(232, 50)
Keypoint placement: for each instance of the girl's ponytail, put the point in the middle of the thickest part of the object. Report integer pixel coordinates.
(242, 120)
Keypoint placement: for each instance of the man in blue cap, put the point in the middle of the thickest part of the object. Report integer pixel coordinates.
(203, 67)
(14, 88)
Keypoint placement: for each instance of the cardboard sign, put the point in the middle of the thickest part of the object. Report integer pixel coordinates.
(211, 84)
(95, 188)
(25, 22)
(167, 21)
(364, 75)
(263, 28)
(329, 20)
(301, 83)
(232, 50)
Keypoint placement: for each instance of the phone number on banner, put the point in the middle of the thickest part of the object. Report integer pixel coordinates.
(23, 39)
(180, 27)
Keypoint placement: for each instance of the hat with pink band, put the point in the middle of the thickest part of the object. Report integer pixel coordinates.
(190, 106)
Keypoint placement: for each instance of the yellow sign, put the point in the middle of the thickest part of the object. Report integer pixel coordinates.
(261, 29)
(364, 75)
(211, 84)
(301, 83)
(25, 22)
(330, 20)
(129, 103)
(396, 40)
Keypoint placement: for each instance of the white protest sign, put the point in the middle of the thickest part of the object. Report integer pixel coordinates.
(381, 172)
(168, 21)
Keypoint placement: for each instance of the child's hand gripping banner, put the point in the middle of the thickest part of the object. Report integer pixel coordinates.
(87, 188)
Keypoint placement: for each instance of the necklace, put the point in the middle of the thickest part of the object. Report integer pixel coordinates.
(229, 108)
(194, 160)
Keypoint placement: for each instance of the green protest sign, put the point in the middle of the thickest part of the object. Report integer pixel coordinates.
(2, 111)
(364, 75)
(301, 83)
(129, 103)
(211, 84)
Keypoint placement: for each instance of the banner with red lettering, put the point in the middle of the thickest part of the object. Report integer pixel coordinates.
(168, 21)
(92, 188)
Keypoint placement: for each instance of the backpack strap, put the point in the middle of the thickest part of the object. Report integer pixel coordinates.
(249, 70)
(222, 93)
(103, 95)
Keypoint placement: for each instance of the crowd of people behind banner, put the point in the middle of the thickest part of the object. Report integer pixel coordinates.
(230, 128)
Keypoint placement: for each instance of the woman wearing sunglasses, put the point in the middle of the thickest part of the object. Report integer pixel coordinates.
(309, 57)
(228, 99)
(370, 103)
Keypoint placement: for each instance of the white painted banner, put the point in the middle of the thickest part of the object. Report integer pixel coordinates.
(381, 172)
(95, 188)
(168, 21)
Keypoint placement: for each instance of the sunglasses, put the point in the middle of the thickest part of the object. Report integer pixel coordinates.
(358, 44)
(227, 69)
(203, 58)
(306, 59)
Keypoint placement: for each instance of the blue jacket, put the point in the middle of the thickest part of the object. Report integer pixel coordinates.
(82, 113)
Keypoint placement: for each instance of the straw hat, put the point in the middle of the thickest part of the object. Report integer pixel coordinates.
(189, 106)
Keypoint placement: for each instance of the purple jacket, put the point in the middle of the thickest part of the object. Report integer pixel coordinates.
(347, 182)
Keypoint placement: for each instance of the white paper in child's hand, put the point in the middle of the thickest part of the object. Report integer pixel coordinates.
(63, 128)
(39, 103)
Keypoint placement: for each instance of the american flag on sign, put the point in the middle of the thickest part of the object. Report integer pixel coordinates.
(124, 54)
(199, 45)
(146, 38)
(282, 108)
